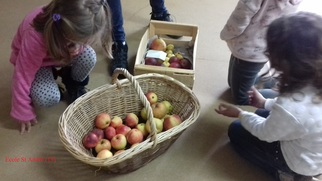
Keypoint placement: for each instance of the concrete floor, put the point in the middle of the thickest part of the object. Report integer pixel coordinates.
(202, 152)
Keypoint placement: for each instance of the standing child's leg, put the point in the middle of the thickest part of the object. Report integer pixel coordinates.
(44, 89)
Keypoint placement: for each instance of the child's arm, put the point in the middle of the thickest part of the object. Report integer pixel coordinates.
(240, 18)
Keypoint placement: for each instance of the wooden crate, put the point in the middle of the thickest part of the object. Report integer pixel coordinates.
(189, 39)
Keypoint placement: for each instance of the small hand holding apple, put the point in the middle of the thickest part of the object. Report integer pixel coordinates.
(26, 126)
(255, 98)
(228, 110)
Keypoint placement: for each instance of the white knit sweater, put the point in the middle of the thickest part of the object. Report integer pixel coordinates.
(245, 30)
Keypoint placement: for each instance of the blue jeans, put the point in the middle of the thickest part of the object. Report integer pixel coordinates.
(267, 156)
(242, 76)
(117, 16)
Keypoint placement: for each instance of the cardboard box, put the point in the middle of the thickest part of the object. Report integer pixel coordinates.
(188, 41)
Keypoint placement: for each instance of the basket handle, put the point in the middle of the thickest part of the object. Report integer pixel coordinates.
(142, 97)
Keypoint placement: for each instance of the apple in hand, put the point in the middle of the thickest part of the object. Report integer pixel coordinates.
(99, 133)
(131, 120)
(159, 110)
(152, 97)
(103, 154)
(171, 121)
(123, 129)
(116, 121)
(119, 142)
(109, 132)
(141, 127)
(103, 144)
(90, 140)
(158, 124)
(134, 136)
(158, 44)
(102, 120)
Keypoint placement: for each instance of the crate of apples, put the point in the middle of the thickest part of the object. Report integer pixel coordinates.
(112, 135)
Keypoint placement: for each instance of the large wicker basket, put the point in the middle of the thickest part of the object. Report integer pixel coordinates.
(119, 98)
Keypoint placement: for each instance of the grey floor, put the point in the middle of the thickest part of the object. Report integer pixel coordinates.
(202, 152)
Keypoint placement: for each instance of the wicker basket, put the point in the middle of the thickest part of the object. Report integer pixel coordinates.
(119, 98)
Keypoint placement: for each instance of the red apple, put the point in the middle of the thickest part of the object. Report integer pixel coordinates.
(103, 154)
(102, 120)
(171, 121)
(175, 65)
(134, 136)
(158, 123)
(158, 44)
(90, 140)
(123, 129)
(131, 120)
(150, 61)
(116, 121)
(185, 63)
(141, 127)
(174, 59)
(152, 97)
(159, 110)
(119, 142)
(109, 132)
(99, 133)
(103, 144)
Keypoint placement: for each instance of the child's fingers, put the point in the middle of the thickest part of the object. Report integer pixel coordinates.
(34, 121)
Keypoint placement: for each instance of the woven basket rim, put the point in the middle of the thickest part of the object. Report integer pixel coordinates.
(146, 144)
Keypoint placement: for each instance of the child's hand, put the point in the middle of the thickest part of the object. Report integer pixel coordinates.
(255, 98)
(228, 110)
(26, 126)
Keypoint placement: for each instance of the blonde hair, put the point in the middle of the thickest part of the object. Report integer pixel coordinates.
(78, 21)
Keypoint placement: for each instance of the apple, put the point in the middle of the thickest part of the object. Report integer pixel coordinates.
(150, 61)
(158, 124)
(175, 65)
(159, 110)
(99, 133)
(119, 142)
(90, 140)
(134, 136)
(152, 97)
(116, 121)
(185, 63)
(168, 105)
(144, 113)
(141, 127)
(170, 47)
(118, 152)
(103, 144)
(109, 132)
(102, 120)
(159, 62)
(158, 44)
(171, 121)
(131, 120)
(103, 154)
(174, 59)
(123, 129)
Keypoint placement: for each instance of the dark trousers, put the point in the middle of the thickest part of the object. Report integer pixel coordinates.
(267, 156)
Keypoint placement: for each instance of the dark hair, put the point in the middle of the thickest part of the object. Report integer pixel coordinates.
(294, 47)
(78, 21)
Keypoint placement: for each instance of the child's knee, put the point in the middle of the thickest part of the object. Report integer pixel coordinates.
(47, 101)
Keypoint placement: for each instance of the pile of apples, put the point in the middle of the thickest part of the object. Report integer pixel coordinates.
(113, 135)
(173, 59)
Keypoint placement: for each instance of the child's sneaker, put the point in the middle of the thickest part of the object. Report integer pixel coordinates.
(119, 60)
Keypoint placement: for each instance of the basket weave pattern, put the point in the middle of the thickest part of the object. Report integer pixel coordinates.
(123, 97)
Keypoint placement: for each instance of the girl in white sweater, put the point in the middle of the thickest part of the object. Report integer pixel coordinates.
(284, 136)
